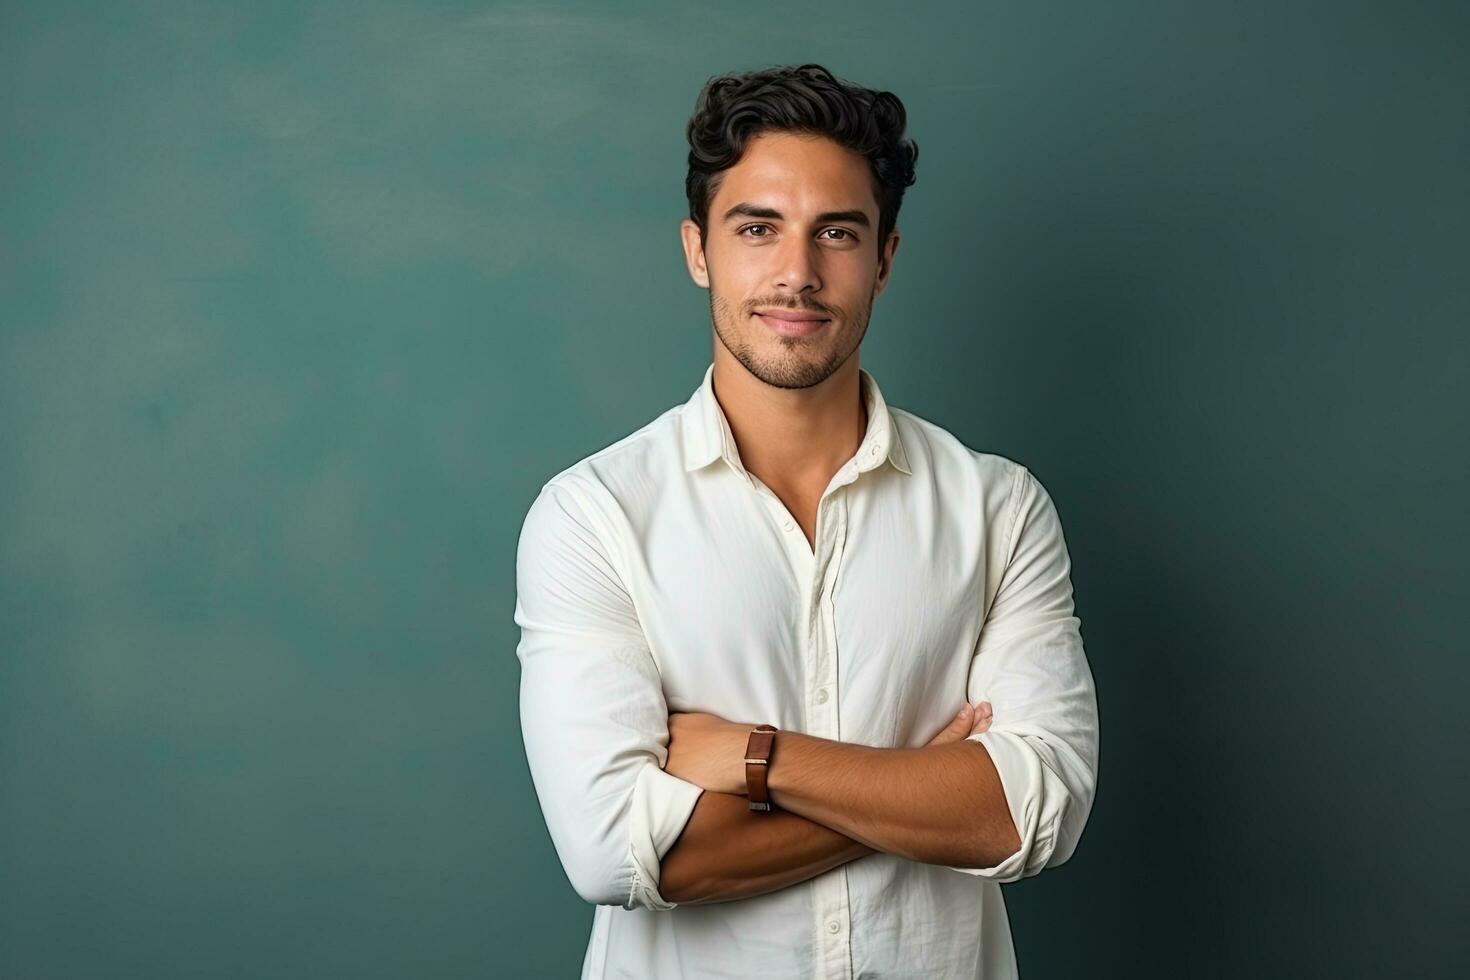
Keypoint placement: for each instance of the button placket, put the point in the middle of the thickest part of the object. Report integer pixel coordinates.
(822, 676)
(815, 564)
(832, 905)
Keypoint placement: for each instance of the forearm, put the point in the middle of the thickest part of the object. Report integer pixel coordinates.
(940, 804)
(728, 852)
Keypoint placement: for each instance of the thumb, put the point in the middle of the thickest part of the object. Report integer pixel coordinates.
(958, 728)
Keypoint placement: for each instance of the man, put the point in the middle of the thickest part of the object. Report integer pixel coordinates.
(787, 550)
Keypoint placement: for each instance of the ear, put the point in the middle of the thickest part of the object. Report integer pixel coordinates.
(885, 262)
(694, 252)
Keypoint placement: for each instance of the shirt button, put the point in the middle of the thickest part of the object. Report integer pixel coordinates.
(821, 695)
(834, 926)
(873, 451)
(788, 525)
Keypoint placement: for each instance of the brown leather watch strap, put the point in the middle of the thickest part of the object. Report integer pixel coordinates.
(757, 760)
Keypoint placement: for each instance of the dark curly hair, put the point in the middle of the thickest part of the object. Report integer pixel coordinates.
(733, 108)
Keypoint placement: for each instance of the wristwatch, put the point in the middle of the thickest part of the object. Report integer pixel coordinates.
(757, 761)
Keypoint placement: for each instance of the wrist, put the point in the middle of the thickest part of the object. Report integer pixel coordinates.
(759, 750)
(737, 737)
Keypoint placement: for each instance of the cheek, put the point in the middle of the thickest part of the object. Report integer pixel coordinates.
(738, 271)
(732, 294)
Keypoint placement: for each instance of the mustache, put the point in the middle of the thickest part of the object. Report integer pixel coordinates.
(803, 308)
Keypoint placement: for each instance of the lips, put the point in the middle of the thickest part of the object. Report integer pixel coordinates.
(791, 323)
(795, 316)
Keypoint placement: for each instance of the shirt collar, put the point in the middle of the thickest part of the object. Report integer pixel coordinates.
(707, 437)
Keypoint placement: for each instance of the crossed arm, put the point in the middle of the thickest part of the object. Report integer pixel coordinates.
(835, 802)
(726, 852)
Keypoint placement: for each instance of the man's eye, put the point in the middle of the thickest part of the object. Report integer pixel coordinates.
(843, 234)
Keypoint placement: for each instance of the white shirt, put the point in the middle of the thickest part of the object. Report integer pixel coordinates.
(658, 575)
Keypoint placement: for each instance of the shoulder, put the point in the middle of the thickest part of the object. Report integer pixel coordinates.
(601, 483)
(946, 456)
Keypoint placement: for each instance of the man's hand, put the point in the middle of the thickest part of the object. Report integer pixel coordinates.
(709, 751)
(971, 720)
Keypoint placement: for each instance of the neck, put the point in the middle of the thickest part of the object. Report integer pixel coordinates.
(792, 437)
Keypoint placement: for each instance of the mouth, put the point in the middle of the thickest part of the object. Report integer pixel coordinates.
(792, 323)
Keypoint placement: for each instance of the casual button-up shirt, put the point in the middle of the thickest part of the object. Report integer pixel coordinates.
(659, 575)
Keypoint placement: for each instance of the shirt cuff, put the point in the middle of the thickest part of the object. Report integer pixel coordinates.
(1036, 798)
(661, 807)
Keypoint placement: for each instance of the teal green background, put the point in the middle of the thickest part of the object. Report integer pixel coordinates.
(300, 305)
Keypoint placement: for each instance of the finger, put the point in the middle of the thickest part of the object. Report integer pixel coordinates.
(961, 722)
(957, 727)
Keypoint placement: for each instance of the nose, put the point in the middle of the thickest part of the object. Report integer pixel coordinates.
(797, 266)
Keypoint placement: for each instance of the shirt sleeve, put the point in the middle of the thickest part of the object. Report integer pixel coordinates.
(593, 715)
(1030, 665)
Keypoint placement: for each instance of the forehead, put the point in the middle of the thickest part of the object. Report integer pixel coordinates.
(799, 172)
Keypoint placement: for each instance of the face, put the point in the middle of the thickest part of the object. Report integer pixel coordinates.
(790, 257)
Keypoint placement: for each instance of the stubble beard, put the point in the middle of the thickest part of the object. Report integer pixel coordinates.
(796, 367)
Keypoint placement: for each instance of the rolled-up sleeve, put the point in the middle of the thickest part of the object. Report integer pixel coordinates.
(593, 715)
(1030, 665)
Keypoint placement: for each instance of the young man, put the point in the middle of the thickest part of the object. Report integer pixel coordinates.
(787, 550)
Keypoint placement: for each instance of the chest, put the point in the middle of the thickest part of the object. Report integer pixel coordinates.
(859, 626)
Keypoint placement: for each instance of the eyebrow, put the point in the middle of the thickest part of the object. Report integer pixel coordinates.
(746, 209)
